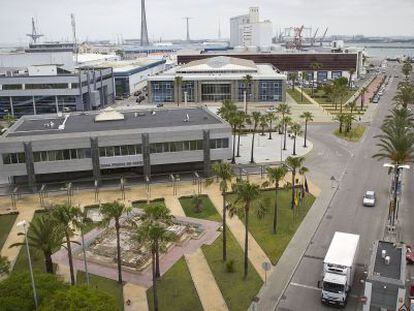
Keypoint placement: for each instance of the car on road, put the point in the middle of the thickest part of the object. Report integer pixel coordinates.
(369, 198)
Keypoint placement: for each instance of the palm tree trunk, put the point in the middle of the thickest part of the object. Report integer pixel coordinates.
(293, 189)
(306, 134)
(294, 145)
(284, 138)
(246, 241)
(72, 274)
(224, 227)
(118, 251)
(270, 130)
(252, 150)
(233, 159)
(275, 216)
(157, 262)
(154, 282)
(238, 145)
(48, 262)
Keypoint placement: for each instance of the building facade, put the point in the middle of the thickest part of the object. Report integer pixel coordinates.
(93, 145)
(331, 65)
(218, 79)
(49, 89)
(248, 30)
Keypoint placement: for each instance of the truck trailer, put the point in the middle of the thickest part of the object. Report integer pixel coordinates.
(339, 268)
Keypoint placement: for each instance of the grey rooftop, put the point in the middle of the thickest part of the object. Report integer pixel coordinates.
(393, 269)
(83, 122)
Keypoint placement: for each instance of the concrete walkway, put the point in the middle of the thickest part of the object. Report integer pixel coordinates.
(174, 205)
(13, 237)
(205, 284)
(319, 114)
(137, 295)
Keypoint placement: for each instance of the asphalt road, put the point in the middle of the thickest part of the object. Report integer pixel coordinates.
(356, 171)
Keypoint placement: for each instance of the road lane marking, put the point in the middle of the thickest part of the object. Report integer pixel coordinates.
(315, 288)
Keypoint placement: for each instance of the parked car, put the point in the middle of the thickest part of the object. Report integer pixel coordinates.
(375, 99)
(158, 105)
(369, 199)
(271, 109)
(381, 92)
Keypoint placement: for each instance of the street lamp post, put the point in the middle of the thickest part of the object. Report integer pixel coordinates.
(393, 214)
(23, 224)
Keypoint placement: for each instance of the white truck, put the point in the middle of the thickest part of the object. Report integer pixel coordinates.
(339, 268)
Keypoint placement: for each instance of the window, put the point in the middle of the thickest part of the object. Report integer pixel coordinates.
(12, 87)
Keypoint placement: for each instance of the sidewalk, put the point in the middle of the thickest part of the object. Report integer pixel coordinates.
(13, 237)
(319, 114)
(138, 297)
(204, 282)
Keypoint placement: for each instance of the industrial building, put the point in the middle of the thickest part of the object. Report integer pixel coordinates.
(385, 283)
(248, 30)
(217, 79)
(330, 65)
(94, 145)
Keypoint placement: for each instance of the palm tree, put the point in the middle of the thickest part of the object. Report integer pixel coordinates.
(349, 118)
(247, 80)
(275, 176)
(159, 213)
(113, 212)
(240, 120)
(228, 111)
(406, 69)
(351, 72)
(254, 120)
(352, 105)
(340, 117)
(295, 129)
(286, 122)
(294, 164)
(4, 265)
(44, 235)
(197, 202)
(315, 67)
(364, 90)
(404, 95)
(247, 194)
(307, 116)
(283, 109)
(66, 216)
(292, 76)
(82, 224)
(224, 172)
(155, 236)
(263, 123)
(178, 81)
(271, 116)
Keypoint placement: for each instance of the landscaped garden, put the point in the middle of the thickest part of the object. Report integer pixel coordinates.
(297, 96)
(6, 223)
(353, 135)
(176, 291)
(237, 292)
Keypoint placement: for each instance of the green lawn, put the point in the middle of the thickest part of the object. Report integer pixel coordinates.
(354, 135)
(237, 292)
(143, 203)
(176, 291)
(275, 244)
(208, 211)
(296, 95)
(6, 223)
(108, 286)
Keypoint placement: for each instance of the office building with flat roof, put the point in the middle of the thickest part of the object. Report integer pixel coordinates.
(216, 79)
(97, 144)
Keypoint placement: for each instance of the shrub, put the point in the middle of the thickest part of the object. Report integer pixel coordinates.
(230, 266)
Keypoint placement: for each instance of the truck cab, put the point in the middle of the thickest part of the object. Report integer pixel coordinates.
(334, 289)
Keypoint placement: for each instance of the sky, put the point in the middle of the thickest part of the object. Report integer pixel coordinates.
(107, 19)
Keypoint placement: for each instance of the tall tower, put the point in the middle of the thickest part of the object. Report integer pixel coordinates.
(188, 28)
(34, 35)
(144, 29)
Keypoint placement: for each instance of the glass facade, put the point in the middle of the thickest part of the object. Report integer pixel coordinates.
(241, 88)
(188, 145)
(336, 75)
(122, 87)
(5, 107)
(162, 91)
(189, 87)
(322, 75)
(116, 151)
(61, 155)
(215, 91)
(14, 158)
(270, 90)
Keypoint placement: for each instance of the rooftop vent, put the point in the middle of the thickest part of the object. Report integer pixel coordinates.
(109, 114)
(387, 260)
(383, 253)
